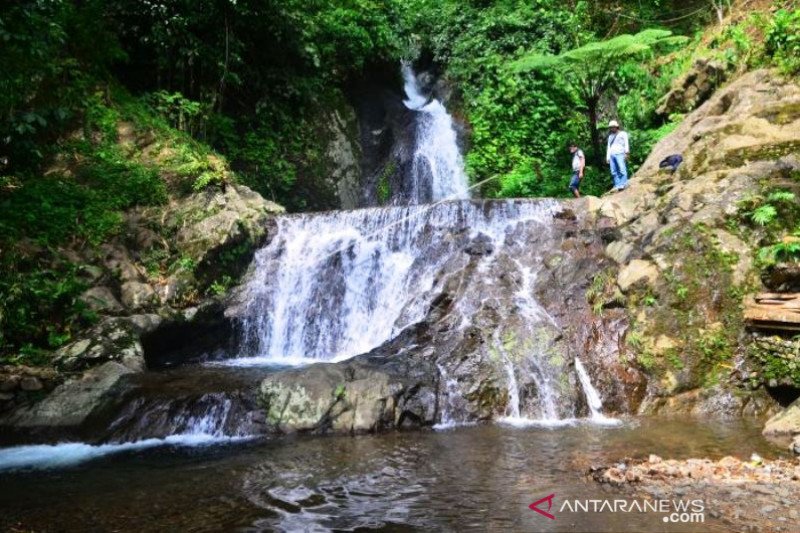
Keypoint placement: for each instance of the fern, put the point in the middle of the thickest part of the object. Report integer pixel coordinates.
(782, 251)
(781, 196)
(764, 214)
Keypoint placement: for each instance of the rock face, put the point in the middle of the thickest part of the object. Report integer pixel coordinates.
(357, 396)
(102, 300)
(113, 339)
(148, 283)
(684, 260)
(694, 88)
(219, 221)
(637, 271)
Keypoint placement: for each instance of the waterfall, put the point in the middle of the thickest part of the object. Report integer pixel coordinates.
(438, 167)
(214, 415)
(513, 409)
(593, 399)
(333, 285)
(452, 402)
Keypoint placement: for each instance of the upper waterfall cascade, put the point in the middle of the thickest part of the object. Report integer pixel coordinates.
(438, 166)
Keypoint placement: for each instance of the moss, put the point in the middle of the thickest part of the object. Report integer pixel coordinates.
(697, 304)
(778, 360)
(384, 188)
(764, 152)
(780, 116)
(602, 292)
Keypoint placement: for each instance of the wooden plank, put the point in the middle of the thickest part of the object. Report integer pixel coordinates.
(777, 296)
(771, 310)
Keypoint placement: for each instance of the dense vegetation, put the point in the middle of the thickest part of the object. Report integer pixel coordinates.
(249, 79)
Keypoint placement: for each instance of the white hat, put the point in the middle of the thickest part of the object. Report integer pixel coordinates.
(613, 124)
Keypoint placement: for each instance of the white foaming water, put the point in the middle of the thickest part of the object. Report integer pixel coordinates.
(533, 363)
(330, 286)
(592, 396)
(41, 456)
(452, 401)
(438, 166)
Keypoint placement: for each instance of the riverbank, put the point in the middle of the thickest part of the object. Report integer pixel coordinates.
(747, 495)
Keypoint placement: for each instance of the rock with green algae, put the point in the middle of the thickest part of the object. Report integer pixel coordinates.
(338, 398)
(213, 220)
(113, 339)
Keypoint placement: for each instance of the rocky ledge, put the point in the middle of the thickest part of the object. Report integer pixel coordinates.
(755, 495)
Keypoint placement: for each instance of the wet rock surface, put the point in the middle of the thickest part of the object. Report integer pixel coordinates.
(486, 347)
(755, 495)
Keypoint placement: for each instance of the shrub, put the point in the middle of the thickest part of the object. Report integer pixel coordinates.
(783, 40)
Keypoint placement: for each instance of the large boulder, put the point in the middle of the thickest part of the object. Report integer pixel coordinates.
(71, 403)
(101, 300)
(787, 422)
(213, 221)
(350, 397)
(113, 339)
(137, 295)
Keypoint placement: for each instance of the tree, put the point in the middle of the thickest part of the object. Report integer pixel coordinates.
(590, 69)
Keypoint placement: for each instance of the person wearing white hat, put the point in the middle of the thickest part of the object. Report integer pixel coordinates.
(617, 154)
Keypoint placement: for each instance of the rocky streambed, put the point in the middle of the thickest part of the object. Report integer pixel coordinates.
(746, 495)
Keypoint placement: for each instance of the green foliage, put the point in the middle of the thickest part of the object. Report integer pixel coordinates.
(384, 189)
(220, 286)
(786, 251)
(777, 205)
(49, 54)
(39, 305)
(777, 358)
(589, 71)
(783, 40)
(181, 113)
(593, 63)
(764, 214)
(603, 291)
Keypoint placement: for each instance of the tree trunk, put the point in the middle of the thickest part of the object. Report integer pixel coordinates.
(591, 106)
